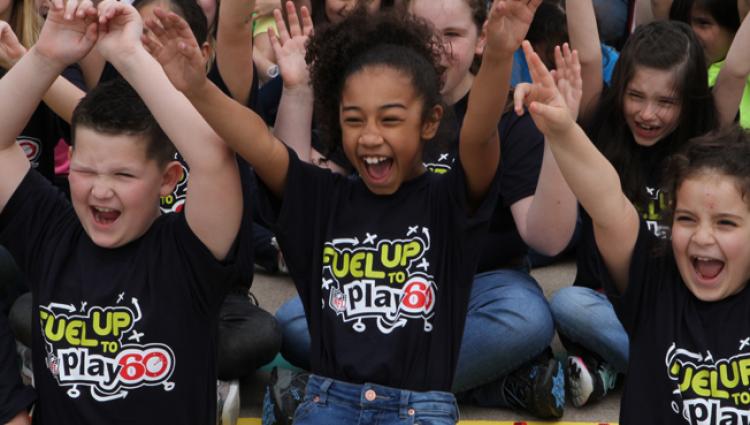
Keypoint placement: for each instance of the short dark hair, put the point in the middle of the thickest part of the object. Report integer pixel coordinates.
(724, 12)
(725, 152)
(114, 108)
(399, 41)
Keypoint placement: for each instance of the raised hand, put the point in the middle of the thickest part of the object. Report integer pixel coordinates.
(173, 45)
(546, 104)
(290, 45)
(120, 29)
(69, 32)
(507, 25)
(11, 50)
(568, 77)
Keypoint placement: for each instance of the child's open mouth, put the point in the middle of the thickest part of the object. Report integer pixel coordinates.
(707, 268)
(104, 216)
(646, 131)
(377, 167)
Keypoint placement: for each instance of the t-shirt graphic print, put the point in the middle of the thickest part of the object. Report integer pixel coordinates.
(100, 349)
(385, 283)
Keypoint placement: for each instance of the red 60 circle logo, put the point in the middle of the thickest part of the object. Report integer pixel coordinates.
(419, 296)
(149, 365)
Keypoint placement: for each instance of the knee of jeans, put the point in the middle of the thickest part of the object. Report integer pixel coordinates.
(567, 302)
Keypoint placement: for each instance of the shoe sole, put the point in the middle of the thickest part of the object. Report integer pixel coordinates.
(580, 388)
(230, 412)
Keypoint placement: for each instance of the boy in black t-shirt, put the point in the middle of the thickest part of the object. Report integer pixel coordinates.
(686, 310)
(127, 320)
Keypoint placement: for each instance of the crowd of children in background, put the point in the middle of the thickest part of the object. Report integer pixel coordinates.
(406, 162)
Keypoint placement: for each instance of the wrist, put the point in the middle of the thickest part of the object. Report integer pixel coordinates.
(43, 62)
(127, 59)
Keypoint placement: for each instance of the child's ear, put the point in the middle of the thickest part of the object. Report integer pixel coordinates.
(206, 50)
(481, 41)
(170, 177)
(431, 124)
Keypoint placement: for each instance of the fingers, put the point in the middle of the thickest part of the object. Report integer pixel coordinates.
(307, 22)
(283, 33)
(539, 72)
(294, 25)
(520, 92)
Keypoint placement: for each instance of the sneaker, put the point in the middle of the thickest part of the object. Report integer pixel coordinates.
(538, 388)
(227, 402)
(588, 381)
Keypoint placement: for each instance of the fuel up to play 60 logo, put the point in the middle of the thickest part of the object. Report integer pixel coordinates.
(387, 281)
(98, 348)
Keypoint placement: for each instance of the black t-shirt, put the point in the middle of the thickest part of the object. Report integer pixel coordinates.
(45, 129)
(14, 396)
(521, 154)
(651, 210)
(125, 335)
(689, 359)
(384, 280)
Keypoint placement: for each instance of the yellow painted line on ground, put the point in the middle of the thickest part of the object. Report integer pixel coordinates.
(256, 421)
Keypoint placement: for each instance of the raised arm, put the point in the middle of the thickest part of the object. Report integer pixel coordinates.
(545, 232)
(584, 37)
(214, 177)
(62, 41)
(234, 47)
(479, 147)
(591, 177)
(730, 84)
(62, 96)
(241, 128)
(294, 118)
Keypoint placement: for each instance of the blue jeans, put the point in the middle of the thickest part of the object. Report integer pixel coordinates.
(328, 401)
(508, 323)
(587, 318)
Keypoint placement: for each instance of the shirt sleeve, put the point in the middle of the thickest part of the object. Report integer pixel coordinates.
(36, 219)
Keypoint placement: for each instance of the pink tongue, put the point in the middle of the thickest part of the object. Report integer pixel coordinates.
(709, 269)
(379, 170)
(107, 217)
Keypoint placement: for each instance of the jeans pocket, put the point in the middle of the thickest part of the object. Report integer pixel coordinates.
(304, 410)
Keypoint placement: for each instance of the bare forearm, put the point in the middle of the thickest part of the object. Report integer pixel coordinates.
(487, 98)
(732, 78)
(589, 175)
(63, 97)
(660, 9)
(234, 47)
(177, 117)
(549, 233)
(21, 89)
(584, 37)
(245, 132)
(294, 120)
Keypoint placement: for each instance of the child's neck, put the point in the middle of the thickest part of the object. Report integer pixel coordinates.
(458, 92)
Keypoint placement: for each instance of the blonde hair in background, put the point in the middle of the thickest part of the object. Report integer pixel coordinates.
(26, 22)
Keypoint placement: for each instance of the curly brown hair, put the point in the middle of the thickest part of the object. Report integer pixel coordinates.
(398, 41)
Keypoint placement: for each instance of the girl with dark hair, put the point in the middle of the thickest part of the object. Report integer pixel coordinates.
(383, 262)
(658, 99)
(333, 11)
(686, 309)
(504, 358)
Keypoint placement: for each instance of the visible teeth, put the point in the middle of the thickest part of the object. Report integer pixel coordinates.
(104, 210)
(646, 127)
(703, 259)
(372, 160)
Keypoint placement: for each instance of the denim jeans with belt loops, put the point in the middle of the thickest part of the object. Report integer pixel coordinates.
(329, 401)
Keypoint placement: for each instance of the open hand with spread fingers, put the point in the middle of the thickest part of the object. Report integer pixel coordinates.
(173, 45)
